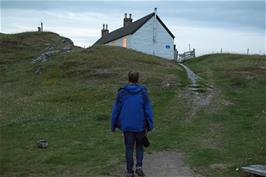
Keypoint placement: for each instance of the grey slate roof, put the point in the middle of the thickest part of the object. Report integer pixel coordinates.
(129, 29)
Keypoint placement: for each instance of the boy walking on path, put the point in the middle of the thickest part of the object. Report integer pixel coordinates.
(132, 114)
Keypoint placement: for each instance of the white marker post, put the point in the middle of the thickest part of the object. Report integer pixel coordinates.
(154, 29)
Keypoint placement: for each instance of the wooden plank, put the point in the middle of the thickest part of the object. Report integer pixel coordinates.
(255, 169)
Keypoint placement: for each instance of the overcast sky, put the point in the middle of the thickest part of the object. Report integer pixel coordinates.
(207, 26)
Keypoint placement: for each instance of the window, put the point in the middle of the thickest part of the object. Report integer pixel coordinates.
(124, 42)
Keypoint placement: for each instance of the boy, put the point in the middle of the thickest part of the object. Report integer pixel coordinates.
(132, 114)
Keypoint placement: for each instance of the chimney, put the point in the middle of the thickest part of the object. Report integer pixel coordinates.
(105, 30)
(127, 20)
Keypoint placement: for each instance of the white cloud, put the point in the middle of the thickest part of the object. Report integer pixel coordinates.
(211, 40)
(84, 28)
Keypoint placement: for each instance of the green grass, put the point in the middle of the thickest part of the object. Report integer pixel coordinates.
(69, 101)
(236, 132)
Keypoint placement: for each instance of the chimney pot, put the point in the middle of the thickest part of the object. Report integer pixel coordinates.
(105, 30)
(127, 21)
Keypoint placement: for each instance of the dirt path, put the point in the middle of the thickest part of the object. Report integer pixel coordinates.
(171, 163)
(199, 94)
(191, 75)
(164, 164)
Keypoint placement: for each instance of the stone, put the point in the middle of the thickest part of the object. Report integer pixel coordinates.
(43, 144)
(51, 50)
(45, 56)
(255, 169)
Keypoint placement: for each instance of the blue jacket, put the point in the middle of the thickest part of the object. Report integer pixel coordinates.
(132, 110)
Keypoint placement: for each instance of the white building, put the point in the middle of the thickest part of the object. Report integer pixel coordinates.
(148, 35)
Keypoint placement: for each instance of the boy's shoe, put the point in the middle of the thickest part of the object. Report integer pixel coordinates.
(130, 175)
(139, 171)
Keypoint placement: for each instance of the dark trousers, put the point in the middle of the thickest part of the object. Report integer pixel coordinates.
(132, 138)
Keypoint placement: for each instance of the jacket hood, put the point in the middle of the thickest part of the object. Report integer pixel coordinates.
(133, 88)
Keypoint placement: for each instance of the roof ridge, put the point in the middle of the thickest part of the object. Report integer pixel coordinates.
(134, 22)
(129, 29)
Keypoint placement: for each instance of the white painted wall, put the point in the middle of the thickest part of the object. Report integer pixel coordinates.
(142, 40)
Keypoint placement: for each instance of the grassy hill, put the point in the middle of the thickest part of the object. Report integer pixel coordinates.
(235, 133)
(68, 99)
(22, 46)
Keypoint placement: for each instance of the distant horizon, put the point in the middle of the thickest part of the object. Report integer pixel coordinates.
(204, 25)
(197, 55)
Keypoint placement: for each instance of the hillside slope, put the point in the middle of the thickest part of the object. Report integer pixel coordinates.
(234, 135)
(21, 46)
(68, 99)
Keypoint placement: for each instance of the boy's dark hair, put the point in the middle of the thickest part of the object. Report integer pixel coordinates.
(133, 76)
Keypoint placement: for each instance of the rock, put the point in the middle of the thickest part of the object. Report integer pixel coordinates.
(38, 70)
(43, 144)
(52, 50)
(68, 41)
(45, 56)
(66, 48)
(255, 169)
(165, 84)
